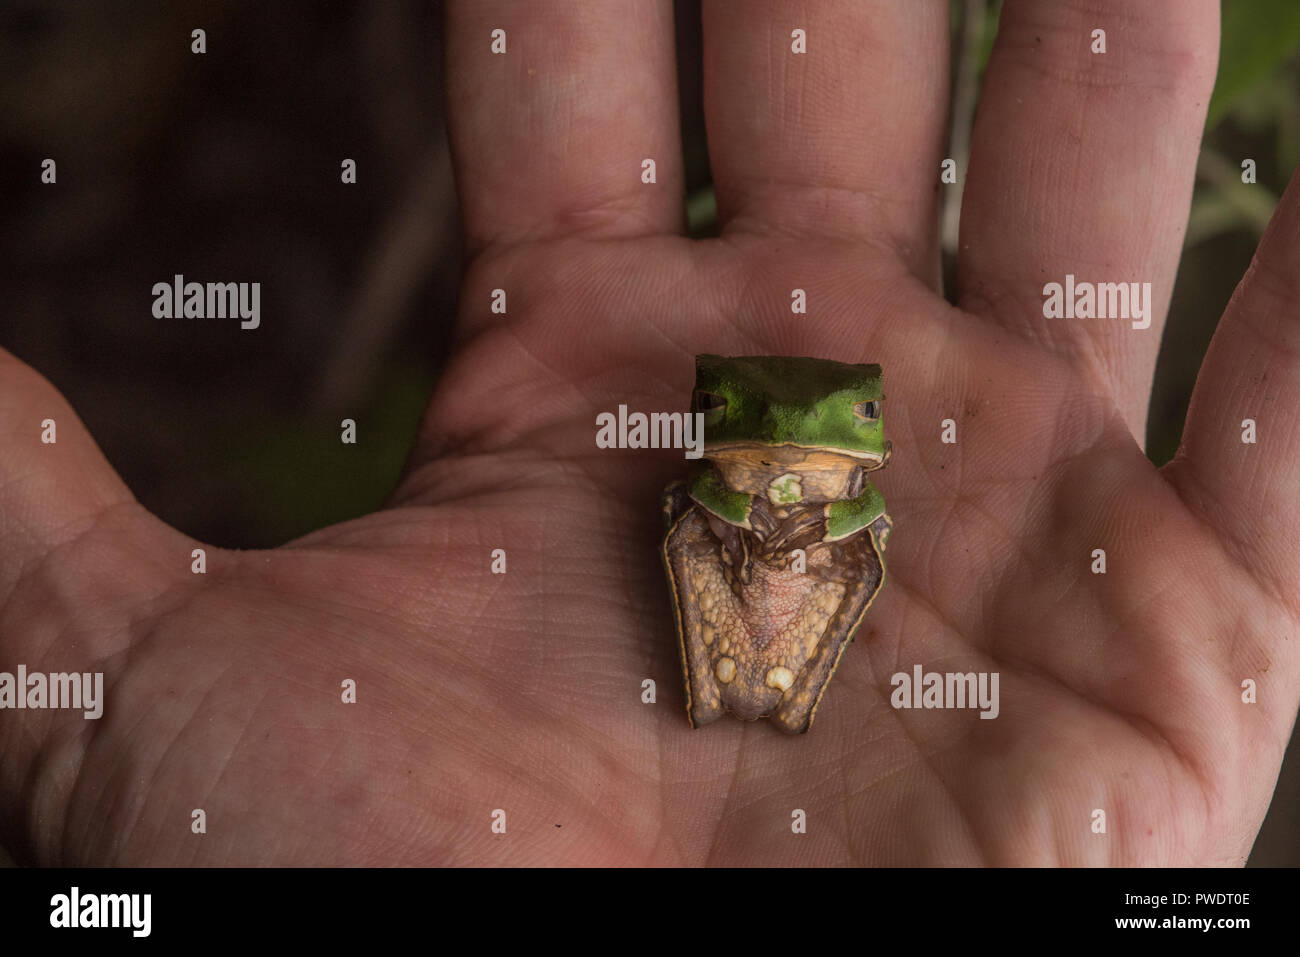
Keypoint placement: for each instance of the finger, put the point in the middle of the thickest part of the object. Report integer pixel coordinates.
(1082, 164)
(1239, 463)
(66, 516)
(845, 137)
(54, 482)
(549, 136)
(79, 559)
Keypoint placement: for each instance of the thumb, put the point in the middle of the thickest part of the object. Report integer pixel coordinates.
(55, 484)
(81, 563)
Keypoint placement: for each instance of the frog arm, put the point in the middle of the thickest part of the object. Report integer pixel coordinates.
(850, 516)
(707, 490)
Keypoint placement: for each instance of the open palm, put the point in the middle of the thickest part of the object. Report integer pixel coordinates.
(523, 691)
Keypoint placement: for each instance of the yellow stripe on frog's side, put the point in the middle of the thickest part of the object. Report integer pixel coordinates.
(679, 615)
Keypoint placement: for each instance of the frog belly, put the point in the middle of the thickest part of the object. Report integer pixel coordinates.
(769, 630)
(766, 647)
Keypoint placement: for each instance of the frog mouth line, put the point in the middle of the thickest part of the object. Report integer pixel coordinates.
(750, 448)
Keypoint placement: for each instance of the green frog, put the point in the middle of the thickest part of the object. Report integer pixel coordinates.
(775, 543)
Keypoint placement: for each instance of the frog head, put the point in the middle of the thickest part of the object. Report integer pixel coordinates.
(792, 429)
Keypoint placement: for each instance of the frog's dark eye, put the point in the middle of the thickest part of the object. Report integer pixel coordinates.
(867, 410)
(710, 403)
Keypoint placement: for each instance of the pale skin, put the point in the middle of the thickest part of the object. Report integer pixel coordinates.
(1119, 692)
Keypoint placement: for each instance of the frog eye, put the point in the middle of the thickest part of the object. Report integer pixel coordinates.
(710, 403)
(867, 410)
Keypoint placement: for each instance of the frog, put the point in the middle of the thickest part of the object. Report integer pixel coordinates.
(775, 541)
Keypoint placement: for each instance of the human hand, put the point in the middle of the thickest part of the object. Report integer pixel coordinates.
(522, 692)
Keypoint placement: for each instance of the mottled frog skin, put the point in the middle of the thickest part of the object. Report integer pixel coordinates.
(775, 543)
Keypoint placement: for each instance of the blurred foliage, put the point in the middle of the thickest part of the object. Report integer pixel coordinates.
(305, 478)
(1257, 36)
(988, 30)
(702, 212)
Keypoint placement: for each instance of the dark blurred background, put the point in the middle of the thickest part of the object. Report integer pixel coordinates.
(226, 167)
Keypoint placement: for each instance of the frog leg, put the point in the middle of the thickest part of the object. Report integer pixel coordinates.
(857, 563)
(688, 540)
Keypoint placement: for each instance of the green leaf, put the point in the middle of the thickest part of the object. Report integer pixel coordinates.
(1257, 36)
